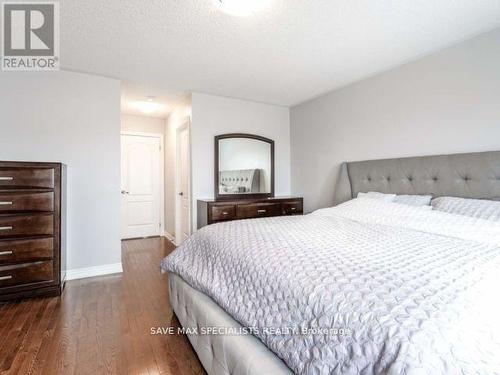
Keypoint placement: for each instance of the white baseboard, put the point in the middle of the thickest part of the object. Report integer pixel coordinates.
(82, 273)
(169, 237)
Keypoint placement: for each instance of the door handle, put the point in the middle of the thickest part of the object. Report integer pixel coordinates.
(6, 178)
(125, 192)
(5, 277)
(181, 193)
(9, 252)
(5, 228)
(5, 203)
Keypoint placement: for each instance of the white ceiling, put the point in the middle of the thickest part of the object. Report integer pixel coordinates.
(292, 51)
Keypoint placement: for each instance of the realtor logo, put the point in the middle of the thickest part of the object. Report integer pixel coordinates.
(30, 36)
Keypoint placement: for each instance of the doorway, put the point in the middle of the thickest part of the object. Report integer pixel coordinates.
(183, 183)
(141, 185)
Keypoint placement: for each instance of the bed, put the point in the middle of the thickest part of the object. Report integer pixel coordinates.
(366, 287)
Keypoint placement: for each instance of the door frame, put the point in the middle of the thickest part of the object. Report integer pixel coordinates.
(186, 125)
(162, 171)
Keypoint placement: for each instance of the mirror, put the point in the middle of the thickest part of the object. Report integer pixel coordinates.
(244, 166)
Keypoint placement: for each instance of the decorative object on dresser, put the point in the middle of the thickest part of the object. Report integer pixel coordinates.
(32, 229)
(212, 211)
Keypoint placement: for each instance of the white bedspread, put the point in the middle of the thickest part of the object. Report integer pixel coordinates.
(418, 289)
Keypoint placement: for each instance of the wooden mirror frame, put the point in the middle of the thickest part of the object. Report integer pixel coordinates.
(222, 197)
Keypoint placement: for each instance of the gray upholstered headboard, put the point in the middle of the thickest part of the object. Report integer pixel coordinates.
(474, 175)
(247, 179)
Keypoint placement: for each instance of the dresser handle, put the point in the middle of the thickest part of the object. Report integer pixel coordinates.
(261, 211)
(5, 228)
(5, 203)
(293, 208)
(6, 178)
(5, 277)
(10, 252)
(225, 213)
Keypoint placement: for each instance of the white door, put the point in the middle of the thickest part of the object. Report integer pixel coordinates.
(140, 184)
(183, 165)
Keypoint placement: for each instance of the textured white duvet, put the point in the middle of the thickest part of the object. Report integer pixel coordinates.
(418, 289)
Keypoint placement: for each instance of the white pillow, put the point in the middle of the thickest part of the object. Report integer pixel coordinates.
(414, 200)
(378, 196)
(409, 200)
(478, 208)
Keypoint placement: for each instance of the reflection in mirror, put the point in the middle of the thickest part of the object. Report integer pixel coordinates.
(244, 166)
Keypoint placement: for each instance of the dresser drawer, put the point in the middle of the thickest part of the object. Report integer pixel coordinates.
(12, 202)
(254, 210)
(26, 273)
(27, 177)
(26, 225)
(20, 251)
(292, 208)
(226, 212)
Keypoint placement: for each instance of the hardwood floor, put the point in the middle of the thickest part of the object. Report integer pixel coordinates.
(100, 325)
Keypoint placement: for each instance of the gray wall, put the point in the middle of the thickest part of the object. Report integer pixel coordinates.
(142, 124)
(445, 103)
(75, 119)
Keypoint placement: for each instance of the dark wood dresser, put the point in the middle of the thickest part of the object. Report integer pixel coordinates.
(212, 211)
(32, 229)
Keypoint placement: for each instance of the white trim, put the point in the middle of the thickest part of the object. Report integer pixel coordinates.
(142, 134)
(82, 273)
(161, 137)
(169, 237)
(186, 125)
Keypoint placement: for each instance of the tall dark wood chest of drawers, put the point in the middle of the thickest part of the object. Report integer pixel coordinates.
(32, 229)
(211, 211)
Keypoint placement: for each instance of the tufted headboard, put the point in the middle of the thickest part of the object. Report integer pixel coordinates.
(240, 181)
(474, 175)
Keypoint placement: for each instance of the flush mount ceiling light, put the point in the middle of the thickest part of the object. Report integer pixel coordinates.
(149, 106)
(242, 7)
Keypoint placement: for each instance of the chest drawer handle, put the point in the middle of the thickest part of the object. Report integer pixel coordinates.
(5, 277)
(293, 208)
(225, 213)
(6, 178)
(5, 228)
(10, 252)
(5, 203)
(261, 211)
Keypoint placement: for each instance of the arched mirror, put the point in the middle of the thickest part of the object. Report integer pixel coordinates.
(244, 166)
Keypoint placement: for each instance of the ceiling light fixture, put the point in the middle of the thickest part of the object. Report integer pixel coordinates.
(148, 106)
(242, 7)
